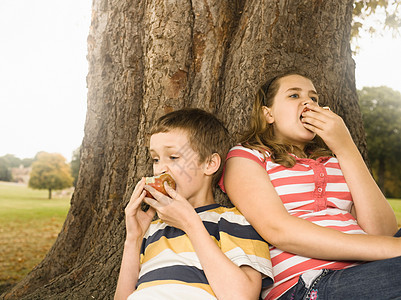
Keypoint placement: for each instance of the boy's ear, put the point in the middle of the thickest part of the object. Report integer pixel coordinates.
(212, 164)
(268, 114)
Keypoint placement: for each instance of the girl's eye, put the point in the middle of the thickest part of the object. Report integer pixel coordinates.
(294, 96)
(173, 157)
(314, 99)
(155, 160)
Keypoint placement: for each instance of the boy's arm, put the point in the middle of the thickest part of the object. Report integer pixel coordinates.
(227, 280)
(129, 271)
(241, 283)
(136, 222)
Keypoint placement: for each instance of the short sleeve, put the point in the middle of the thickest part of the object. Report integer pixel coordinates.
(241, 151)
(243, 245)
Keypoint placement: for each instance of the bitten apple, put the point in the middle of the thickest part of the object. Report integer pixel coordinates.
(157, 182)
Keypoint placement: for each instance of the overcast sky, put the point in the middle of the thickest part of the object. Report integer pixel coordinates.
(43, 72)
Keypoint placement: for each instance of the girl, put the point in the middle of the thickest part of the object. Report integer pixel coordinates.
(301, 182)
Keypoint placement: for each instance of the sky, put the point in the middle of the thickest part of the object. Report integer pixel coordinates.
(43, 70)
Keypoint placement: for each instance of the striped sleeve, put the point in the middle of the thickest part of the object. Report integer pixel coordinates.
(241, 151)
(244, 246)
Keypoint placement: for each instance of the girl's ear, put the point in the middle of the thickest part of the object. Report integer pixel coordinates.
(212, 164)
(268, 114)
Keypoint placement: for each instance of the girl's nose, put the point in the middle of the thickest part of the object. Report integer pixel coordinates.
(307, 101)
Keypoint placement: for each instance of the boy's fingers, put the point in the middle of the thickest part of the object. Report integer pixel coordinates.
(134, 203)
(154, 204)
(151, 212)
(160, 197)
(159, 202)
(170, 191)
(138, 189)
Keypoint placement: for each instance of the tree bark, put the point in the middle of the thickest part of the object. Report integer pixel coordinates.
(147, 58)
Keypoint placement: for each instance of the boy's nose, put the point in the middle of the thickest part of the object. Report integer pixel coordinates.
(160, 169)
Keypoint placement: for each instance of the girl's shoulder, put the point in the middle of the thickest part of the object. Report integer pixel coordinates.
(255, 153)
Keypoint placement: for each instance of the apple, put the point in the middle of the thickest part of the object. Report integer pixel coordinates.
(157, 182)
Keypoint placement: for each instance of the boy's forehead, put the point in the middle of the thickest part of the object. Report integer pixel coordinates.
(174, 138)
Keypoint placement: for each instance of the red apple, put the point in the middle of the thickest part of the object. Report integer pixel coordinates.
(157, 182)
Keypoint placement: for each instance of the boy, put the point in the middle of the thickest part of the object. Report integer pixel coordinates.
(198, 249)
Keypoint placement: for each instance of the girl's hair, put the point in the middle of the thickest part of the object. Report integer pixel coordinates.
(206, 134)
(260, 135)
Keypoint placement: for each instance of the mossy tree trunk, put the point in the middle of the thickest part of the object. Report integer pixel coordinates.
(150, 57)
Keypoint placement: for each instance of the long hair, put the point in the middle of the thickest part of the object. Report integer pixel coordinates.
(260, 134)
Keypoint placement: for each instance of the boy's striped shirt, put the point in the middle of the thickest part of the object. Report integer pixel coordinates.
(169, 262)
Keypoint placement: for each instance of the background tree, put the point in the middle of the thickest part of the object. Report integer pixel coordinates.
(388, 18)
(7, 162)
(381, 113)
(151, 57)
(50, 171)
(75, 164)
(5, 172)
(27, 162)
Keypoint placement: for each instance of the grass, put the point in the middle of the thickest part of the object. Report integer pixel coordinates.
(396, 205)
(29, 225)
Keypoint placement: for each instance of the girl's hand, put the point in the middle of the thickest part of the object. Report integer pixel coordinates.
(136, 220)
(328, 125)
(175, 210)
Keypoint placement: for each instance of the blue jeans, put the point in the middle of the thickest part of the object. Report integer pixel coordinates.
(379, 279)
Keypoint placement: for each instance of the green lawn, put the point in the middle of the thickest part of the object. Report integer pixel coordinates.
(29, 225)
(396, 205)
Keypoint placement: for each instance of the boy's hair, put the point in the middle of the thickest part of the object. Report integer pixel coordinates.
(206, 134)
(260, 135)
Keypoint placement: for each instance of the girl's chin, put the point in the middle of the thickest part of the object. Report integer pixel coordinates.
(308, 136)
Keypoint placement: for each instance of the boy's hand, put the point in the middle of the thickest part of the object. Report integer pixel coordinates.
(328, 125)
(175, 210)
(136, 220)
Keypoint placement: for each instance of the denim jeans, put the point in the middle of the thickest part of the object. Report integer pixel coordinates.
(379, 279)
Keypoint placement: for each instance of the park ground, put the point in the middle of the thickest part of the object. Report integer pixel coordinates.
(30, 223)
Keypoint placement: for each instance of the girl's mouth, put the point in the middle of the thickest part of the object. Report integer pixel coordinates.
(304, 110)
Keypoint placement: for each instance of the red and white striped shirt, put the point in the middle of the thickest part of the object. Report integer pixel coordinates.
(314, 190)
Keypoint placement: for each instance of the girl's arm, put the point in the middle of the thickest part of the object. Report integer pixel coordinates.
(136, 222)
(227, 280)
(250, 190)
(373, 212)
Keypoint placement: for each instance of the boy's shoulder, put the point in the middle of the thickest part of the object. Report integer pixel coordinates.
(217, 213)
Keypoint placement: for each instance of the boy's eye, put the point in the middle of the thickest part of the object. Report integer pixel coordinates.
(314, 99)
(155, 160)
(173, 157)
(294, 96)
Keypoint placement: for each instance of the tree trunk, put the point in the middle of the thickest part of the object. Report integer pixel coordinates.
(151, 57)
(50, 194)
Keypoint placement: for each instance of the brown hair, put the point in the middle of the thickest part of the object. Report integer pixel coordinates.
(206, 133)
(260, 135)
